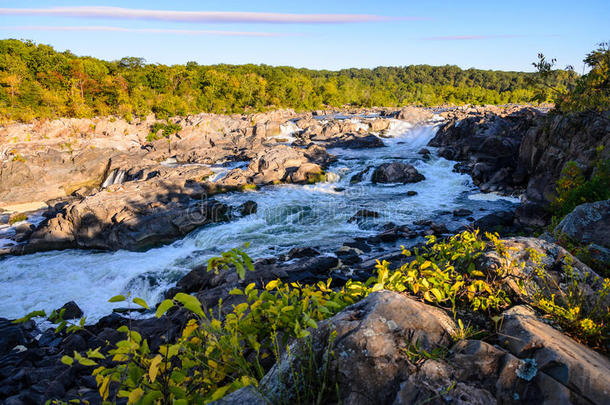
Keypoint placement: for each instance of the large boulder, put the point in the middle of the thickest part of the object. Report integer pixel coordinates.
(135, 215)
(413, 114)
(587, 223)
(371, 338)
(487, 143)
(281, 163)
(553, 142)
(585, 373)
(396, 172)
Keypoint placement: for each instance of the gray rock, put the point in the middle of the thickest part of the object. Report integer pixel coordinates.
(573, 365)
(369, 347)
(396, 172)
(588, 223)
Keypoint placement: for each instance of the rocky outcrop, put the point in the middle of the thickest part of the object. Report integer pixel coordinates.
(555, 141)
(396, 172)
(487, 145)
(282, 163)
(371, 337)
(134, 215)
(588, 227)
(588, 223)
(563, 370)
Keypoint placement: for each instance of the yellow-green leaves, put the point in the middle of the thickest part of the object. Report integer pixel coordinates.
(163, 307)
(189, 302)
(153, 369)
(117, 298)
(140, 302)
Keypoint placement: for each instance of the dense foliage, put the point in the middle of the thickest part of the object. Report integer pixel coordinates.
(218, 354)
(590, 92)
(36, 81)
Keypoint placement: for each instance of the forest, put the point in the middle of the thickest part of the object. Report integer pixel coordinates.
(36, 82)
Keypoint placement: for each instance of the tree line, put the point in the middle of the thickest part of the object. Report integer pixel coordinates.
(38, 82)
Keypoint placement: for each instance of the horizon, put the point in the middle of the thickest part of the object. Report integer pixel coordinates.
(317, 36)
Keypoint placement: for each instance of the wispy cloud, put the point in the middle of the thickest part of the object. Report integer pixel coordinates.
(144, 30)
(201, 16)
(470, 37)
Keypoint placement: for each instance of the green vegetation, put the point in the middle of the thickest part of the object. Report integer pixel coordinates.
(574, 189)
(217, 354)
(590, 92)
(38, 82)
(159, 130)
(17, 218)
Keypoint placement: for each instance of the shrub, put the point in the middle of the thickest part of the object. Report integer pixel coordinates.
(573, 189)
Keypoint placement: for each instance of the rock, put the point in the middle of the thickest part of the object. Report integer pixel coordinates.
(363, 214)
(554, 260)
(11, 335)
(298, 252)
(413, 114)
(587, 223)
(411, 193)
(487, 144)
(396, 173)
(532, 215)
(246, 395)
(573, 365)
(438, 229)
(353, 141)
(134, 215)
(378, 125)
(371, 336)
(424, 151)
(462, 212)
(281, 163)
(348, 255)
(552, 143)
(71, 311)
(248, 208)
(494, 221)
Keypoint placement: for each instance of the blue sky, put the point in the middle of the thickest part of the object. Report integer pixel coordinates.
(318, 34)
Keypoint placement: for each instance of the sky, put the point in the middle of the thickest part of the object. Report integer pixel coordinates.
(500, 35)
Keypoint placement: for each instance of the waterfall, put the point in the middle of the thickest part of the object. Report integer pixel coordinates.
(117, 176)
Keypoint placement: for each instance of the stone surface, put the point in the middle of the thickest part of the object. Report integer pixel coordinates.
(396, 173)
(573, 365)
(588, 223)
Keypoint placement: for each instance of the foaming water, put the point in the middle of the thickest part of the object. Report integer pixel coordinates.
(288, 216)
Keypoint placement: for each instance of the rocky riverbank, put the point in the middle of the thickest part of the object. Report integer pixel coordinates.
(112, 189)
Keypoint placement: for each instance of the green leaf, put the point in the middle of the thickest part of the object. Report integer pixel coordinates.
(117, 298)
(33, 314)
(95, 354)
(141, 302)
(437, 294)
(163, 308)
(87, 362)
(189, 302)
(67, 360)
(151, 397)
(272, 284)
(220, 392)
(236, 291)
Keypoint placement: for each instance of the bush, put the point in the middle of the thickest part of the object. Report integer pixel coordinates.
(573, 189)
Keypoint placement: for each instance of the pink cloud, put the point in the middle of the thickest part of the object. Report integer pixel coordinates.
(145, 30)
(201, 16)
